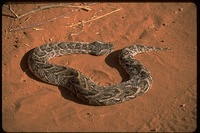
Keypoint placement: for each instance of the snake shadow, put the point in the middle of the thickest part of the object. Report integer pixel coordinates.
(111, 60)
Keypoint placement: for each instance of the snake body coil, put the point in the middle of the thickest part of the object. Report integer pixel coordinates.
(85, 89)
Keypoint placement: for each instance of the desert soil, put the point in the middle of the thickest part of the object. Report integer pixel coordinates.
(28, 104)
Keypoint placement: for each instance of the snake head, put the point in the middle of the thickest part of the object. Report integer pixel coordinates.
(100, 48)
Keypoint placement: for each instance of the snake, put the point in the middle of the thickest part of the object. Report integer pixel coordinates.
(84, 88)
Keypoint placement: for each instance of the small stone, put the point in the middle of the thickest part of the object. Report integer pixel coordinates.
(152, 26)
(153, 130)
(176, 12)
(180, 9)
(162, 40)
(164, 24)
(182, 105)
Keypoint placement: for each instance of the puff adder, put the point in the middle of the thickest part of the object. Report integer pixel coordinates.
(85, 89)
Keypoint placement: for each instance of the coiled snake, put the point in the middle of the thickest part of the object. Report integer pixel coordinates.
(84, 88)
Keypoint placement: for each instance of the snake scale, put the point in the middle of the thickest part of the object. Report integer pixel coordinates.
(84, 88)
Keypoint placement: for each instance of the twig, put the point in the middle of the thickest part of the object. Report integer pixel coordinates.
(83, 22)
(37, 24)
(10, 8)
(53, 6)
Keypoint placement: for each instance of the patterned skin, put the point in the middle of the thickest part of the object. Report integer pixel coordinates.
(84, 88)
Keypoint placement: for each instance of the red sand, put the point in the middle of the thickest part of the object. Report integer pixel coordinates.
(169, 106)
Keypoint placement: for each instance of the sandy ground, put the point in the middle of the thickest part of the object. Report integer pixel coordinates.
(29, 104)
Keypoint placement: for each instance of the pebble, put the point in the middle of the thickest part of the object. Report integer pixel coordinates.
(153, 130)
(182, 105)
(180, 9)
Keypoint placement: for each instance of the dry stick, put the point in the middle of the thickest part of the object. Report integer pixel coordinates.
(13, 11)
(16, 29)
(10, 8)
(53, 6)
(83, 22)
